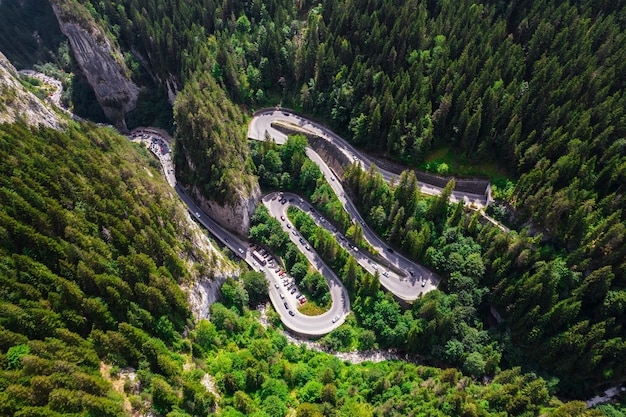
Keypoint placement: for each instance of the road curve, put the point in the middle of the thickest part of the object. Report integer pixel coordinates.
(413, 279)
(404, 285)
(307, 326)
(262, 124)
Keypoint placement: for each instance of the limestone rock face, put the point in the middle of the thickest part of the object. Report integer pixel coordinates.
(17, 103)
(100, 62)
(235, 217)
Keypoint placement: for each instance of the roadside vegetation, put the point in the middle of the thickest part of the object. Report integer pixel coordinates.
(90, 274)
(534, 86)
(287, 168)
(527, 281)
(268, 231)
(92, 259)
(258, 373)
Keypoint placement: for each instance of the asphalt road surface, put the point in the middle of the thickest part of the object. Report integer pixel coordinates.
(262, 123)
(405, 285)
(308, 326)
(412, 280)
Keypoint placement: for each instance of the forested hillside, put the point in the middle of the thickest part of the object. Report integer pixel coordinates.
(533, 87)
(537, 87)
(210, 142)
(93, 249)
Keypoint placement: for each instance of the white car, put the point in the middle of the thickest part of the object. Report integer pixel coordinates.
(336, 318)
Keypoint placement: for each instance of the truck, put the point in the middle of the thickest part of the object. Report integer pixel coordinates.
(258, 257)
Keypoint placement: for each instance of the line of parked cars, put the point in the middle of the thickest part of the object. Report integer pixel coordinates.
(289, 284)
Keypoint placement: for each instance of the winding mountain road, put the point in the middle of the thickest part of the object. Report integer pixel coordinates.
(307, 326)
(406, 279)
(263, 121)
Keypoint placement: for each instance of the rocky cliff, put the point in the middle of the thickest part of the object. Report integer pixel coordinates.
(233, 216)
(99, 60)
(17, 103)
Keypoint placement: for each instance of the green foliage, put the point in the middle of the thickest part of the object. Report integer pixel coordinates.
(274, 406)
(535, 86)
(235, 295)
(268, 231)
(207, 120)
(87, 226)
(306, 382)
(14, 355)
(256, 286)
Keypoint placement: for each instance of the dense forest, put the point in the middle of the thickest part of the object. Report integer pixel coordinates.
(94, 251)
(575, 321)
(94, 248)
(535, 88)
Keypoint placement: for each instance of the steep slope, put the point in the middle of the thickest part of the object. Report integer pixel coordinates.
(94, 249)
(17, 103)
(100, 61)
(212, 154)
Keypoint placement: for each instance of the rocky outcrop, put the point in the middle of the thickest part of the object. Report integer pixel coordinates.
(99, 60)
(236, 216)
(19, 104)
